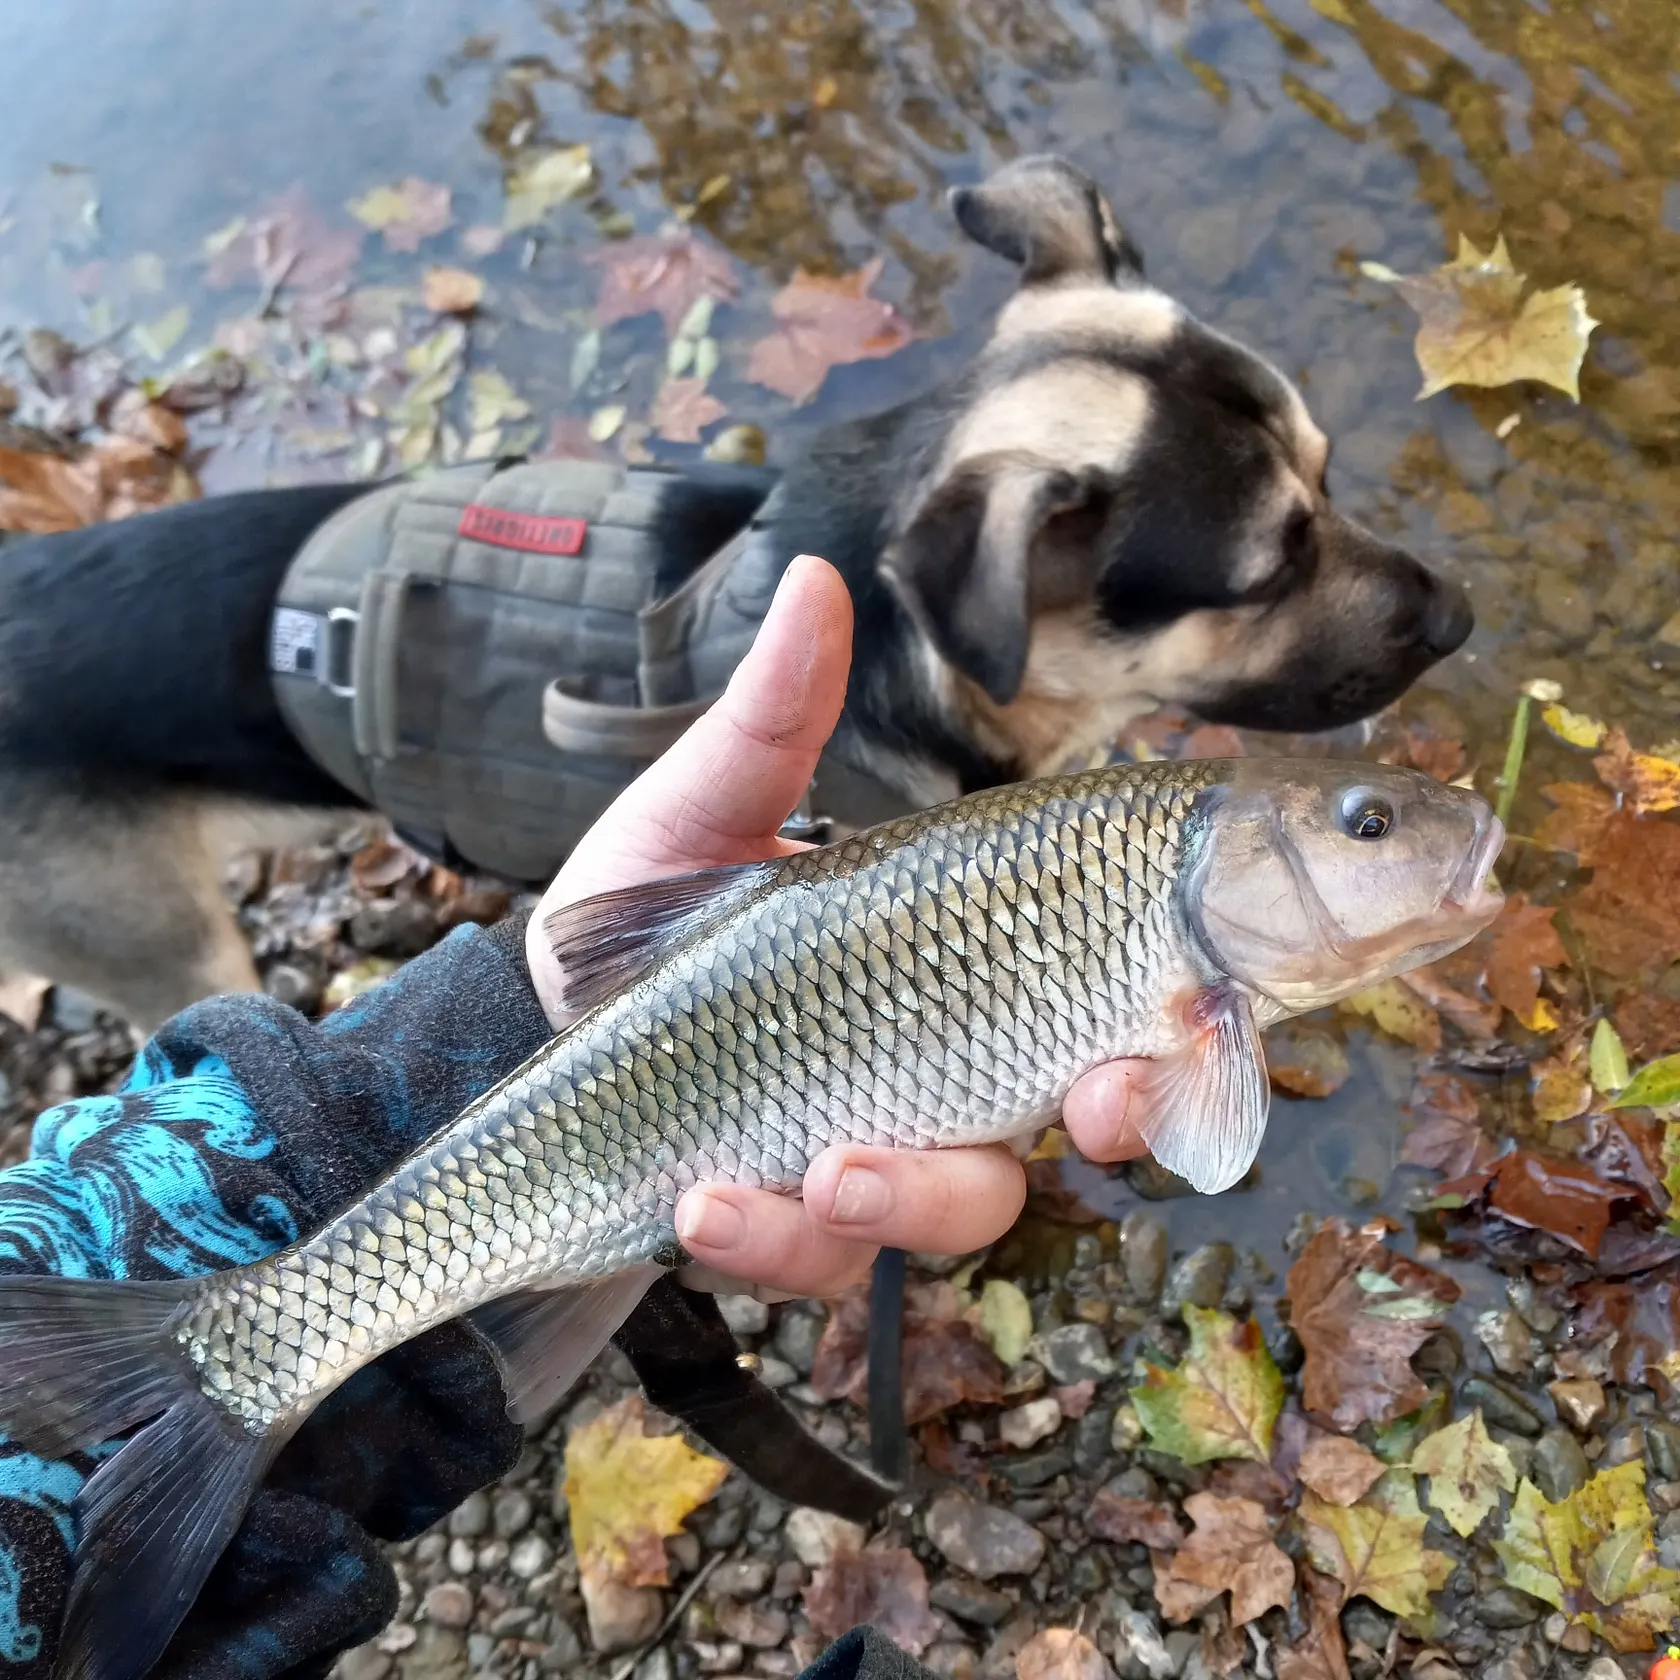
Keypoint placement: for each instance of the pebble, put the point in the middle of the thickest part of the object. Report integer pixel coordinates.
(797, 1335)
(479, 1647)
(294, 986)
(511, 1514)
(744, 1314)
(471, 1518)
(462, 1557)
(1126, 1430)
(529, 1557)
(1027, 1425)
(491, 1556)
(1510, 1342)
(1074, 1353)
(1559, 1466)
(776, 1373)
(439, 1654)
(656, 1665)
(815, 1536)
(1605, 1668)
(512, 1619)
(1139, 1651)
(1535, 1310)
(1199, 1279)
(982, 1539)
(1502, 1405)
(366, 1662)
(1662, 1442)
(739, 1578)
(1144, 1254)
(1580, 1402)
(1505, 1607)
(951, 1660)
(761, 1627)
(1092, 1438)
(1623, 1445)
(564, 1650)
(1035, 1469)
(971, 1601)
(620, 1618)
(449, 1604)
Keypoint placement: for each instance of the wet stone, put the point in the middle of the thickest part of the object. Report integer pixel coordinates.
(1144, 1254)
(815, 1536)
(471, 1518)
(564, 1650)
(1093, 1437)
(983, 1540)
(1181, 1643)
(366, 1662)
(514, 1619)
(1510, 1342)
(479, 1647)
(796, 1339)
(1535, 1310)
(1580, 1403)
(743, 1578)
(656, 1665)
(529, 1557)
(1027, 1425)
(449, 1604)
(1035, 1469)
(1074, 1353)
(744, 1315)
(1139, 1651)
(620, 1618)
(511, 1513)
(1662, 1442)
(776, 1373)
(439, 1654)
(1362, 1620)
(757, 1626)
(1625, 1443)
(971, 1601)
(1505, 1607)
(1199, 1279)
(1560, 1466)
(1502, 1405)
(721, 1527)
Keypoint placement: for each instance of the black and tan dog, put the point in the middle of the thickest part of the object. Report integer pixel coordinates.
(1114, 506)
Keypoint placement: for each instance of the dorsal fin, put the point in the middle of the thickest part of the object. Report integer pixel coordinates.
(603, 943)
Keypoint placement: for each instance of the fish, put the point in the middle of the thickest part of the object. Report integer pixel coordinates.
(935, 981)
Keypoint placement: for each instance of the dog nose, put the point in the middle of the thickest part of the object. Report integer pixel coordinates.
(1448, 619)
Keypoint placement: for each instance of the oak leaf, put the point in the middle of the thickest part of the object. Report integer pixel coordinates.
(406, 213)
(1339, 1469)
(883, 1587)
(1467, 1469)
(1061, 1654)
(1477, 328)
(1375, 1548)
(1361, 1312)
(822, 322)
(1222, 1401)
(627, 1491)
(1231, 1550)
(1552, 1194)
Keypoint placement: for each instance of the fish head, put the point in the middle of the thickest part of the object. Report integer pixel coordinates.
(1314, 879)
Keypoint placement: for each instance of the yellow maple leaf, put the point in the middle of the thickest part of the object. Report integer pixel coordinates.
(1477, 328)
(627, 1490)
(1576, 728)
(1375, 1548)
(1399, 1011)
(1466, 1468)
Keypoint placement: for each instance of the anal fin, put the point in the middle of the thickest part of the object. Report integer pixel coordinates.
(1205, 1105)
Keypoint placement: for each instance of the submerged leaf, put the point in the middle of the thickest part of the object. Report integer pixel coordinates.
(1608, 1059)
(1656, 1085)
(452, 291)
(667, 275)
(1647, 781)
(1522, 943)
(1467, 1469)
(682, 407)
(1574, 727)
(405, 214)
(821, 323)
(1399, 1011)
(541, 183)
(1222, 1401)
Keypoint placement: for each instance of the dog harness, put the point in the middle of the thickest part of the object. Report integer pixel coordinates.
(480, 654)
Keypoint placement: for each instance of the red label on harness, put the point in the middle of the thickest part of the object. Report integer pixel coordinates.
(535, 533)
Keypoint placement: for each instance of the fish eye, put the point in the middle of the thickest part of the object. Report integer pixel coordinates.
(1366, 815)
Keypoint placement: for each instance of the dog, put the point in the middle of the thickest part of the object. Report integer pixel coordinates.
(1113, 506)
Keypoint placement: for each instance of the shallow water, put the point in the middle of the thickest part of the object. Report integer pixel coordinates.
(1257, 153)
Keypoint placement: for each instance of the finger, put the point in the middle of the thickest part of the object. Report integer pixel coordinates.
(1104, 1110)
(759, 1237)
(947, 1201)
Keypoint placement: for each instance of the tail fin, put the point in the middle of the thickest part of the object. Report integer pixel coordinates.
(81, 1362)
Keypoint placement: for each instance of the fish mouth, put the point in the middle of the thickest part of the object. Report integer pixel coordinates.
(1474, 892)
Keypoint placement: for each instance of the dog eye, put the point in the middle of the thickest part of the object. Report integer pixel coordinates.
(1366, 815)
(1299, 540)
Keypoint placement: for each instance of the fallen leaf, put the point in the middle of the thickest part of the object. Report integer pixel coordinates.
(1339, 1469)
(1593, 1557)
(157, 338)
(381, 864)
(451, 291)
(1061, 1654)
(1231, 1550)
(1522, 944)
(1574, 727)
(883, 1587)
(482, 240)
(1656, 1085)
(1548, 1193)
(1607, 1060)
(492, 401)
(1647, 782)
(1222, 1401)
(1305, 1061)
(666, 273)
(1375, 1548)
(1562, 1087)
(1628, 915)
(1400, 1012)
(822, 322)
(21, 998)
(1005, 1320)
(42, 493)
(1473, 1016)
(1322, 1654)
(1448, 1136)
(1581, 815)
(627, 1492)
(1641, 1316)
(945, 1361)
(1361, 1312)
(1649, 1024)
(358, 978)
(1467, 1469)
(1477, 328)
(150, 423)
(682, 407)
(405, 214)
(1142, 1522)
(536, 186)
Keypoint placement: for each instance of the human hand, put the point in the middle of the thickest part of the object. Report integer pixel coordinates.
(719, 796)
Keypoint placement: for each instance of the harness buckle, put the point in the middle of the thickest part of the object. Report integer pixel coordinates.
(804, 823)
(338, 663)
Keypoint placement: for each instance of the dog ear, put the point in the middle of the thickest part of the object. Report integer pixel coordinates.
(963, 568)
(1049, 216)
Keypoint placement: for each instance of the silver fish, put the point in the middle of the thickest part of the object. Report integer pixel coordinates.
(937, 981)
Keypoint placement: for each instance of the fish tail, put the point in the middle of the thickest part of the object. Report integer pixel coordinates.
(84, 1361)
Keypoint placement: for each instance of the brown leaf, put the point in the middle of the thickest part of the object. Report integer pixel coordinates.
(290, 243)
(150, 423)
(1628, 915)
(452, 291)
(1649, 1024)
(1133, 1522)
(682, 407)
(1644, 1316)
(1582, 814)
(1646, 781)
(381, 864)
(1339, 1469)
(1179, 1600)
(823, 322)
(1211, 740)
(1322, 1655)
(42, 493)
(1061, 1654)
(569, 440)
(1522, 944)
(1361, 1312)
(1263, 1484)
(946, 1361)
(1231, 1549)
(1448, 1135)
(882, 1587)
(1439, 756)
(406, 214)
(1548, 1193)
(669, 275)
(1473, 1017)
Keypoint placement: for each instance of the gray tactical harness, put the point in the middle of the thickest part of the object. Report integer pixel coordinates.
(480, 654)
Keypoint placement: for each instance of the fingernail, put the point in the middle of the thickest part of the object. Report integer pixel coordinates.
(711, 1221)
(862, 1197)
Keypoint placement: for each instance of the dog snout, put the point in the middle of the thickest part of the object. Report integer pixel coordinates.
(1447, 618)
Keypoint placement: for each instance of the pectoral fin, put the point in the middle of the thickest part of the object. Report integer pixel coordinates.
(1205, 1106)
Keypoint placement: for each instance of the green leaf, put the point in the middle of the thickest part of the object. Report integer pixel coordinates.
(1656, 1085)
(1467, 1469)
(1222, 1401)
(1608, 1059)
(1005, 1320)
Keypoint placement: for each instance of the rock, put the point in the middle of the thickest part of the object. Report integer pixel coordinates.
(479, 1647)
(1092, 1438)
(1505, 1607)
(529, 1557)
(721, 1526)
(657, 1665)
(1668, 632)
(1502, 1405)
(1562, 604)
(1144, 1254)
(776, 1373)
(1662, 1442)
(73, 1011)
(1534, 1309)
(971, 1601)
(1034, 1469)
(815, 1536)
(449, 1604)
(1580, 1403)
(1510, 1342)
(761, 1627)
(1126, 1430)
(739, 1578)
(951, 1660)
(393, 927)
(1152, 1181)
(1604, 1668)
(620, 1618)
(744, 1314)
(366, 1662)
(797, 1335)
(564, 1650)
(512, 1620)
(491, 1556)
(294, 986)
(1027, 1425)
(981, 1539)
(471, 1518)
(511, 1513)
(1074, 1353)
(461, 1558)
(1559, 1466)
(440, 1653)
(1181, 1643)
(768, 1513)
(1139, 1651)
(1623, 1445)
(1199, 1279)
(1363, 1620)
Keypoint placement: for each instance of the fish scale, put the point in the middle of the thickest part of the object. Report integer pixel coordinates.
(938, 980)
